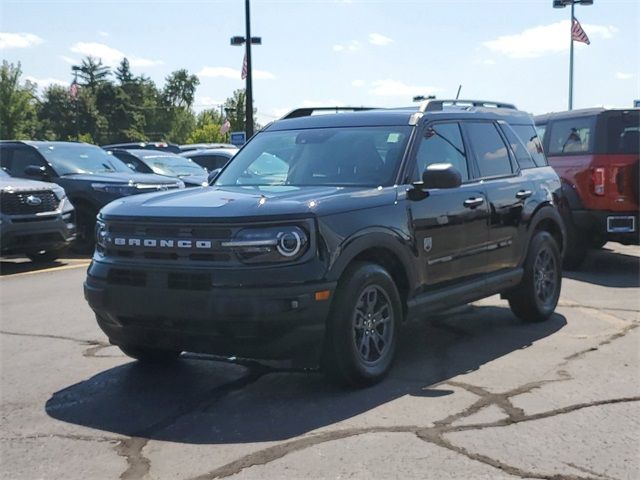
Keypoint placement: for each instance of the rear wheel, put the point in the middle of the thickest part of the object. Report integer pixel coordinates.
(149, 355)
(535, 299)
(363, 326)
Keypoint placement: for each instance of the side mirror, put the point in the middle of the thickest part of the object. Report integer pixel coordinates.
(213, 174)
(36, 171)
(441, 175)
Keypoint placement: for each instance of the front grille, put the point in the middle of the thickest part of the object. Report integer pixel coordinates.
(131, 278)
(212, 235)
(26, 203)
(189, 281)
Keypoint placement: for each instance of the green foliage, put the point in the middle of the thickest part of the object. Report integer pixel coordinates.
(17, 104)
(109, 109)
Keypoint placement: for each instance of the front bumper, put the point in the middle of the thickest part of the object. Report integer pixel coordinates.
(609, 225)
(32, 233)
(181, 310)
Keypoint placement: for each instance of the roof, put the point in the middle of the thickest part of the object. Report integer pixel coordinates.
(209, 151)
(396, 117)
(45, 143)
(581, 112)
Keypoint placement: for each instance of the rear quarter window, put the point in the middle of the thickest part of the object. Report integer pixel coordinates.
(530, 136)
(571, 136)
(622, 129)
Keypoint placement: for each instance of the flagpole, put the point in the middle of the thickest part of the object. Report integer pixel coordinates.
(249, 87)
(571, 57)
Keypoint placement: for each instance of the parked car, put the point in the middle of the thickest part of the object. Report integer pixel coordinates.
(325, 233)
(164, 163)
(596, 152)
(90, 177)
(36, 219)
(212, 158)
(162, 146)
(189, 147)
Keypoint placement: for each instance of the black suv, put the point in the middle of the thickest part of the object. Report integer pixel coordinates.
(90, 176)
(326, 232)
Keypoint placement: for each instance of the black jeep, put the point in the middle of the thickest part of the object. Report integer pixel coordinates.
(325, 233)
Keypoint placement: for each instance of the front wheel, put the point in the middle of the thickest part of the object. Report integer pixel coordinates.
(535, 299)
(362, 330)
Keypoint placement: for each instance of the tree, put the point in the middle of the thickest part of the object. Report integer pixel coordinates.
(17, 103)
(180, 89)
(236, 113)
(123, 72)
(92, 73)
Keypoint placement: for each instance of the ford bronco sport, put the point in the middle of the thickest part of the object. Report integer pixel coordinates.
(326, 232)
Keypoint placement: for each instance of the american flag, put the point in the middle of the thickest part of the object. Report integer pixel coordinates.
(73, 90)
(225, 127)
(577, 33)
(243, 75)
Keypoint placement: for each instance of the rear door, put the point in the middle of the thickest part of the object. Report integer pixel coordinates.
(506, 190)
(450, 225)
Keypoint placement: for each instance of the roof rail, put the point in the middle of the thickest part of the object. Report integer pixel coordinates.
(433, 105)
(308, 111)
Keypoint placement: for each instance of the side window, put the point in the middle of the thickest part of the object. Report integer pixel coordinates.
(491, 152)
(530, 137)
(517, 147)
(219, 161)
(571, 136)
(442, 143)
(22, 158)
(541, 130)
(5, 157)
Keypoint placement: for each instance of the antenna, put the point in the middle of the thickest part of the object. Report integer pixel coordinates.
(458, 94)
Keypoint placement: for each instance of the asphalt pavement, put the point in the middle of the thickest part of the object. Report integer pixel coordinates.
(474, 394)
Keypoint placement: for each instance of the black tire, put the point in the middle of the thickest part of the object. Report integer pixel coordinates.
(598, 242)
(535, 299)
(577, 248)
(44, 256)
(85, 228)
(363, 326)
(149, 355)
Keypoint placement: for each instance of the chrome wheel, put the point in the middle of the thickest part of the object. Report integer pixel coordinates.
(545, 276)
(373, 324)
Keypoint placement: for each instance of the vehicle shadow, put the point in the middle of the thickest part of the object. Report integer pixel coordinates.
(12, 265)
(609, 269)
(208, 402)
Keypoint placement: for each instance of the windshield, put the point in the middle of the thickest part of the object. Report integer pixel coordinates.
(355, 156)
(172, 165)
(77, 158)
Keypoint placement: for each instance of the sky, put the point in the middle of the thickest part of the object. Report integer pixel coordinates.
(341, 52)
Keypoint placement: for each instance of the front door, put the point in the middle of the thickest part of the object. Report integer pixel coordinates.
(450, 225)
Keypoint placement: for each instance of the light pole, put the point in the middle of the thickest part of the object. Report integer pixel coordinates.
(562, 4)
(247, 41)
(75, 69)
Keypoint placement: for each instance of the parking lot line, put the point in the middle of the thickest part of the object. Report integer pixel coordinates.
(53, 269)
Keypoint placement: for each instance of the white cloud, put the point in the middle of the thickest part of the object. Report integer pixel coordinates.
(358, 83)
(396, 88)
(228, 72)
(352, 46)
(18, 40)
(111, 56)
(624, 76)
(44, 83)
(379, 39)
(543, 40)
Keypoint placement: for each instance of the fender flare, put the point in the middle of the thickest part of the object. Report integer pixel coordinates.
(371, 238)
(544, 212)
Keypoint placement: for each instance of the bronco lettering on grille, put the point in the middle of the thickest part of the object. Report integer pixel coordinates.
(160, 243)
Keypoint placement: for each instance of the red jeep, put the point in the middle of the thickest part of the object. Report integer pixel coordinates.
(596, 153)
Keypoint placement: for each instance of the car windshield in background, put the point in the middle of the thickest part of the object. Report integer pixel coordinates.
(74, 159)
(357, 156)
(623, 132)
(173, 165)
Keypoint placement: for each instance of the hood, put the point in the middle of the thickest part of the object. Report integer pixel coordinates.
(229, 203)
(121, 177)
(18, 184)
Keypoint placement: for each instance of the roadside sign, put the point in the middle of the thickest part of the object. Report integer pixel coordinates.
(636, 104)
(238, 138)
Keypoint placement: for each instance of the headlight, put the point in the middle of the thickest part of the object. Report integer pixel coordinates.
(59, 193)
(101, 235)
(269, 245)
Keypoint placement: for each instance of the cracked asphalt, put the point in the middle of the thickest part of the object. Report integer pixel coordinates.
(474, 394)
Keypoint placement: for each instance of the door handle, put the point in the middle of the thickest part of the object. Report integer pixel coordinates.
(473, 202)
(522, 194)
